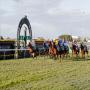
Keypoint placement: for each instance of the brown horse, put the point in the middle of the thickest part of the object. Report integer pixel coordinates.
(31, 51)
(52, 50)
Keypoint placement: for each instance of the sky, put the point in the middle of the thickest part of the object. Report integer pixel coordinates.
(48, 18)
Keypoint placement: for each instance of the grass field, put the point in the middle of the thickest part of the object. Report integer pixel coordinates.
(41, 74)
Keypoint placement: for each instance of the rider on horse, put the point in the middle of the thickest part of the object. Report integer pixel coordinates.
(75, 48)
(60, 44)
(66, 48)
(84, 49)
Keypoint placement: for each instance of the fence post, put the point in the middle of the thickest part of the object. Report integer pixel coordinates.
(24, 53)
(4, 56)
(16, 54)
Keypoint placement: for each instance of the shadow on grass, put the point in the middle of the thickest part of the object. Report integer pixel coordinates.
(54, 59)
(80, 59)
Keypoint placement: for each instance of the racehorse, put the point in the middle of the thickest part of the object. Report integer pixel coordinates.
(75, 50)
(32, 50)
(84, 50)
(66, 50)
(62, 48)
(61, 52)
(52, 50)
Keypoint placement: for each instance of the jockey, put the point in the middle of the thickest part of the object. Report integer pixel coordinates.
(60, 42)
(74, 43)
(56, 42)
(66, 47)
(65, 43)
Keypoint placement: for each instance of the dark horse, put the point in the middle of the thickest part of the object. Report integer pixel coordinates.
(75, 50)
(84, 50)
(32, 50)
(66, 50)
(63, 50)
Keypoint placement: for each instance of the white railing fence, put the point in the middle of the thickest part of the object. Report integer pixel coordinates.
(13, 53)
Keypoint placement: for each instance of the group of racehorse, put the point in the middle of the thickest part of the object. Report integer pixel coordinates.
(79, 50)
(60, 49)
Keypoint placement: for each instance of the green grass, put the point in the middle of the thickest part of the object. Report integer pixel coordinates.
(41, 74)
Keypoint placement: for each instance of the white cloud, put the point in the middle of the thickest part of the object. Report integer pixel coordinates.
(48, 18)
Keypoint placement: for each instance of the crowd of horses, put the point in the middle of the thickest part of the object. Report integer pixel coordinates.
(56, 50)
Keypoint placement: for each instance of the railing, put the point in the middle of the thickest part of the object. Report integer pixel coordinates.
(12, 53)
(15, 53)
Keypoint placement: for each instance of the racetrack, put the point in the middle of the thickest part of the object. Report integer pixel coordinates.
(41, 74)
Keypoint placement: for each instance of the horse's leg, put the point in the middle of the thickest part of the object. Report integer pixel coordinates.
(53, 53)
(63, 54)
(49, 52)
(46, 53)
(72, 53)
(87, 53)
(67, 55)
(59, 56)
(83, 54)
(33, 55)
(77, 53)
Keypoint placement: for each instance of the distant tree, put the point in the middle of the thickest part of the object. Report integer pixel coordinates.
(1, 37)
(66, 37)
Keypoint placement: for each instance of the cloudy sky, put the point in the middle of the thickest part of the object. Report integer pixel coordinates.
(48, 18)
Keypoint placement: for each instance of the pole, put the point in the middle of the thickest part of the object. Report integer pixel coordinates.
(25, 32)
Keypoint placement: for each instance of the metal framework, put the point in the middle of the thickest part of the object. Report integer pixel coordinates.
(23, 21)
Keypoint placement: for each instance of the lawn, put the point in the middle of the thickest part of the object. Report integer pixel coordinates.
(44, 74)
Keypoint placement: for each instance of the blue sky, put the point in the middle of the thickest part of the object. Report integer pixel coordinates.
(48, 18)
